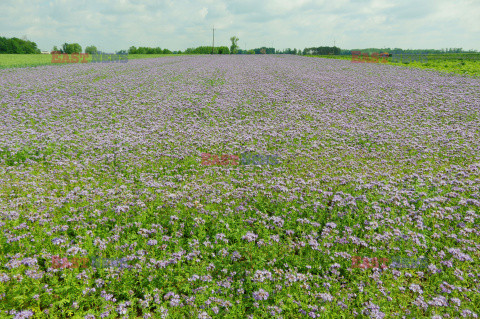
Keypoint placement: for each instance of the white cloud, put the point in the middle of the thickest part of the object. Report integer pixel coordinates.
(203, 12)
(114, 25)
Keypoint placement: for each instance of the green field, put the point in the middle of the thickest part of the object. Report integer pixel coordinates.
(461, 63)
(29, 60)
(465, 64)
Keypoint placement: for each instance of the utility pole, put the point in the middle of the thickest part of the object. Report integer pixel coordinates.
(213, 44)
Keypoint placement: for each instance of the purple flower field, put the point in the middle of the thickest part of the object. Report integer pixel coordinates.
(104, 161)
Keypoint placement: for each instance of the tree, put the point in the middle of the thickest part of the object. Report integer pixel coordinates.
(222, 50)
(70, 48)
(132, 50)
(234, 46)
(91, 49)
(18, 46)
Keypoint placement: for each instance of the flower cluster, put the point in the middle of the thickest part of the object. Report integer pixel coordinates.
(103, 160)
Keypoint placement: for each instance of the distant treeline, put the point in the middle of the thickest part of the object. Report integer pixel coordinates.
(265, 50)
(289, 51)
(146, 50)
(322, 51)
(69, 48)
(24, 46)
(17, 46)
(225, 50)
(208, 50)
(307, 51)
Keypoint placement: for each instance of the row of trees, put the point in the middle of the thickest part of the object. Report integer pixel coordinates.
(289, 51)
(77, 48)
(24, 46)
(147, 50)
(207, 50)
(240, 51)
(17, 46)
(322, 51)
(262, 50)
(69, 48)
(215, 50)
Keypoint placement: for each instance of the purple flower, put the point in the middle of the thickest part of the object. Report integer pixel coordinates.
(416, 288)
(23, 314)
(326, 297)
(203, 315)
(249, 236)
(152, 242)
(121, 209)
(331, 225)
(4, 277)
(241, 208)
(457, 253)
(260, 295)
(29, 261)
(236, 256)
(439, 301)
(58, 241)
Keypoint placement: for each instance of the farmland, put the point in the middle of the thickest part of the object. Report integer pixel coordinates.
(467, 64)
(456, 63)
(104, 161)
(32, 60)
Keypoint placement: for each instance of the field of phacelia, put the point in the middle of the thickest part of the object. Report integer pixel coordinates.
(106, 210)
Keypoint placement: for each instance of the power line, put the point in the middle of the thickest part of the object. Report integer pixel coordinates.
(213, 44)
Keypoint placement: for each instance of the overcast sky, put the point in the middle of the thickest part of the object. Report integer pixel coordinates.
(180, 24)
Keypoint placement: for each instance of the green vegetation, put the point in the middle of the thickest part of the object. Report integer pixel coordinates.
(458, 63)
(208, 50)
(24, 60)
(32, 60)
(17, 46)
(448, 51)
(91, 49)
(118, 176)
(70, 48)
(322, 51)
(234, 46)
(146, 50)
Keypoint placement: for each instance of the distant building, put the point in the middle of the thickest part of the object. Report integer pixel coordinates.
(45, 52)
